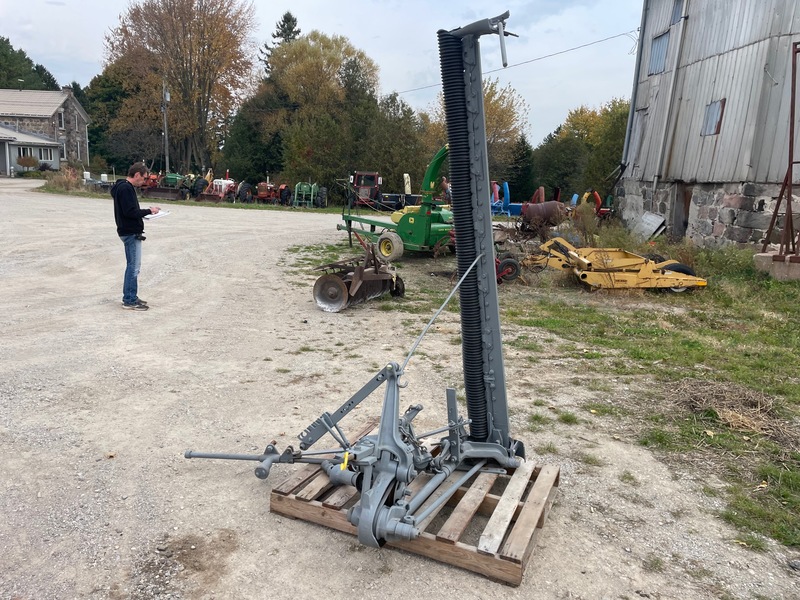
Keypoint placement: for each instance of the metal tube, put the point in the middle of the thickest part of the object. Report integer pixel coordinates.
(446, 496)
(422, 495)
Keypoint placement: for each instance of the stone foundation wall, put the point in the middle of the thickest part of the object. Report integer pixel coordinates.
(719, 214)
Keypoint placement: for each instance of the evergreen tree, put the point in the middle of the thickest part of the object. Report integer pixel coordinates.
(47, 78)
(521, 173)
(286, 30)
(17, 70)
(79, 93)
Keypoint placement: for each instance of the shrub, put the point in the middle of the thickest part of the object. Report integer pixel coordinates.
(67, 179)
(28, 162)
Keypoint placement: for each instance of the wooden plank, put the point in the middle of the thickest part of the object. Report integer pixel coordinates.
(519, 544)
(458, 554)
(454, 527)
(495, 530)
(315, 488)
(298, 478)
(340, 496)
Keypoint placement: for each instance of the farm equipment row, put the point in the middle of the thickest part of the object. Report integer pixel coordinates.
(208, 189)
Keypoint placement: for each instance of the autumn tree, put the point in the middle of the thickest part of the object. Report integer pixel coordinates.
(286, 30)
(585, 150)
(327, 83)
(506, 117)
(607, 141)
(197, 48)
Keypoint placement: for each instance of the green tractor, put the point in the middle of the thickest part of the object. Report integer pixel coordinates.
(419, 228)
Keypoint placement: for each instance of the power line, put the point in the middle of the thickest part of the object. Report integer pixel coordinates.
(525, 62)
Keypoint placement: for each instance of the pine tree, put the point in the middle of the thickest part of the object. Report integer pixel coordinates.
(286, 30)
(520, 181)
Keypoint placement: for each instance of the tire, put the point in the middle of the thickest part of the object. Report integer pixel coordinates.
(399, 289)
(389, 246)
(246, 193)
(508, 269)
(683, 270)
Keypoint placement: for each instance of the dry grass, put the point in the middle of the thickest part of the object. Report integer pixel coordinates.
(739, 408)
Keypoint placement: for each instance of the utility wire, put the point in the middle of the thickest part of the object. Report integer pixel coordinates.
(525, 62)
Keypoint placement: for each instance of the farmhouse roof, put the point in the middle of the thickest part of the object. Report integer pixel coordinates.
(18, 137)
(33, 103)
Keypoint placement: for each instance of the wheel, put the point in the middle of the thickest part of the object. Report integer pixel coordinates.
(390, 246)
(683, 270)
(399, 289)
(330, 293)
(508, 269)
(246, 193)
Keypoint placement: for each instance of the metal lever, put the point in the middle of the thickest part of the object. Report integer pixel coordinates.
(488, 26)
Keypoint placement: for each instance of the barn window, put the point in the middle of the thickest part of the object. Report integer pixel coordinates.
(658, 54)
(677, 11)
(712, 122)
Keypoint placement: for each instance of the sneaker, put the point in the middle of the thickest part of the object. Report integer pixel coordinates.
(135, 306)
(140, 301)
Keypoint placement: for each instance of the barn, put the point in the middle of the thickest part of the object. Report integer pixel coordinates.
(707, 144)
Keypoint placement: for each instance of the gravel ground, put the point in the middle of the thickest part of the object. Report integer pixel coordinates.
(98, 404)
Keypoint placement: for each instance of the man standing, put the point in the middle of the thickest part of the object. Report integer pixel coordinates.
(130, 228)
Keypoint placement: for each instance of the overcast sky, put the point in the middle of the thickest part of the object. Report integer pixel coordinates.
(66, 36)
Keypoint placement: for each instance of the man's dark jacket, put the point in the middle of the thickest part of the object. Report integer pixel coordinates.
(127, 212)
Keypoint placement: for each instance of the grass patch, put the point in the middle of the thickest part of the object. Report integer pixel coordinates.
(653, 564)
(548, 448)
(589, 459)
(628, 478)
(568, 418)
(537, 422)
(602, 409)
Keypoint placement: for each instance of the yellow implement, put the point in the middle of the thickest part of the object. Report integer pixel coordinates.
(614, 268)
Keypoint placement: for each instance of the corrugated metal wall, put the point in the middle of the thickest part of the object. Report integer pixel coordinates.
(736, 50)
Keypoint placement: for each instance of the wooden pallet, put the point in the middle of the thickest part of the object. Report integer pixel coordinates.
(489, 526)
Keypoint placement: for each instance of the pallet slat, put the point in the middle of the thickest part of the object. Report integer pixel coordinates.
(455, 525)
(520, 542)
(495, 530)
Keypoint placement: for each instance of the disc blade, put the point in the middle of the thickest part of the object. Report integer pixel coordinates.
(330, 293)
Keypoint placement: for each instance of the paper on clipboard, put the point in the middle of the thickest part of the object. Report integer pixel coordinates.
(159, 214)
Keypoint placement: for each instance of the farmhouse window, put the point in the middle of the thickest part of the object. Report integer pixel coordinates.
(24, 151)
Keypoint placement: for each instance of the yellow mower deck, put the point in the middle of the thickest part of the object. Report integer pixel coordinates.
(613, 268)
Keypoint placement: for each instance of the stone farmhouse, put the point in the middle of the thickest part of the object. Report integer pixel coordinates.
(50, 126)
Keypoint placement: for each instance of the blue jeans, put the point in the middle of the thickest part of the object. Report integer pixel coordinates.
(133, 258)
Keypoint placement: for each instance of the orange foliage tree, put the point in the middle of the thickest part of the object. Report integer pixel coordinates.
(198, 49)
